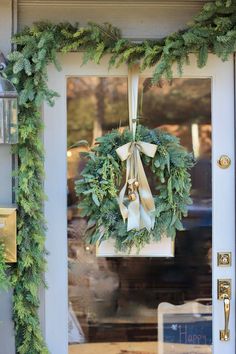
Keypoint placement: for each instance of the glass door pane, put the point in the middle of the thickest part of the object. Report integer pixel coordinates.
(139, 305)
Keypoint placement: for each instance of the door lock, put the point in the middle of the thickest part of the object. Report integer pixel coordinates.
(224, 293)
(224, 259)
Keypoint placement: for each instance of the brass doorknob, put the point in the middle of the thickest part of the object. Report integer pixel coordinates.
(224, 161)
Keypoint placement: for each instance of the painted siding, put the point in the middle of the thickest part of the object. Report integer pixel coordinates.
(150, 19)
(6, 326)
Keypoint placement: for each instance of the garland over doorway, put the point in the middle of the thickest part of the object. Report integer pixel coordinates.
(213, 30)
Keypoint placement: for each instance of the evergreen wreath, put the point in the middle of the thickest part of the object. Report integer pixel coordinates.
(101, 179)
(213, 30)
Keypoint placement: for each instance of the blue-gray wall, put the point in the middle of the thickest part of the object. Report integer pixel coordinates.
(7, 342)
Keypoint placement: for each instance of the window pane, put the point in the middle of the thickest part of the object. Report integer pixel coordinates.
(120, 299)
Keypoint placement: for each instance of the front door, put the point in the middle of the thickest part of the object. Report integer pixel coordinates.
(142, 304)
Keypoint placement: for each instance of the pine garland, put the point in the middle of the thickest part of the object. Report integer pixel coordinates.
(4, 280)
(213, 30)
(27, 273)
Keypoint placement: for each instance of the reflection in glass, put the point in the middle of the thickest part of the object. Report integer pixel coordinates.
(116, 299)
(184, 328)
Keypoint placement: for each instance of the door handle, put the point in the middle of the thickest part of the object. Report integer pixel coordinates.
(225, 333)
(224, 293)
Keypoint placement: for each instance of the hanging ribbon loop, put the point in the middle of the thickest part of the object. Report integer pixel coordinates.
(140, 208)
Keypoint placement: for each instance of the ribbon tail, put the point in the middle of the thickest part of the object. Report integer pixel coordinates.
(123, 208)
(147, 220)
(147, 206)
(134, 214)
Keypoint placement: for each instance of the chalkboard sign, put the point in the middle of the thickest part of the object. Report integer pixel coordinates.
(187, 329)
(184, 329)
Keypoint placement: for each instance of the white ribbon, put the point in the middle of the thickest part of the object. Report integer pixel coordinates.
(139, 211)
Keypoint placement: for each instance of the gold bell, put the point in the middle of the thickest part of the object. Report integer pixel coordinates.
(132, 196)
(136, 184)
(130, 187)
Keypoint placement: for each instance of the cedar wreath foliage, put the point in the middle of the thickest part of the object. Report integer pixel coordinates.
(101, 179)
(213, 30)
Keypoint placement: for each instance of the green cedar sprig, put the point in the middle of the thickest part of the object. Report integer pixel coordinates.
(101, 179)
(4, 279)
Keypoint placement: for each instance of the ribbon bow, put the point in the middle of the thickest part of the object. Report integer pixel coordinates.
(139, 211)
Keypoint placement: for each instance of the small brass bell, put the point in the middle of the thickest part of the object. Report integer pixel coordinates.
(136, 184)
(130, 187)
(132, 197)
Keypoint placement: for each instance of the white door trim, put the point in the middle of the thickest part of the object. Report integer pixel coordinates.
(55, 136)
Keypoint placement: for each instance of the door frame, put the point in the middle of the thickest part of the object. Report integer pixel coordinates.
(54, 300)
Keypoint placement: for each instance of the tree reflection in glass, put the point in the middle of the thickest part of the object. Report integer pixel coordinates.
(116, 299)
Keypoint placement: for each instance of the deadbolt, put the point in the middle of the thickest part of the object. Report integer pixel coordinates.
(224, 161)
(224, 259)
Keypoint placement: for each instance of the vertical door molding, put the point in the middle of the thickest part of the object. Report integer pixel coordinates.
(55, 143)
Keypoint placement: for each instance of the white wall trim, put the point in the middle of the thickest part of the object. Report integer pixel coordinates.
(92, 3)
(14, 5)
